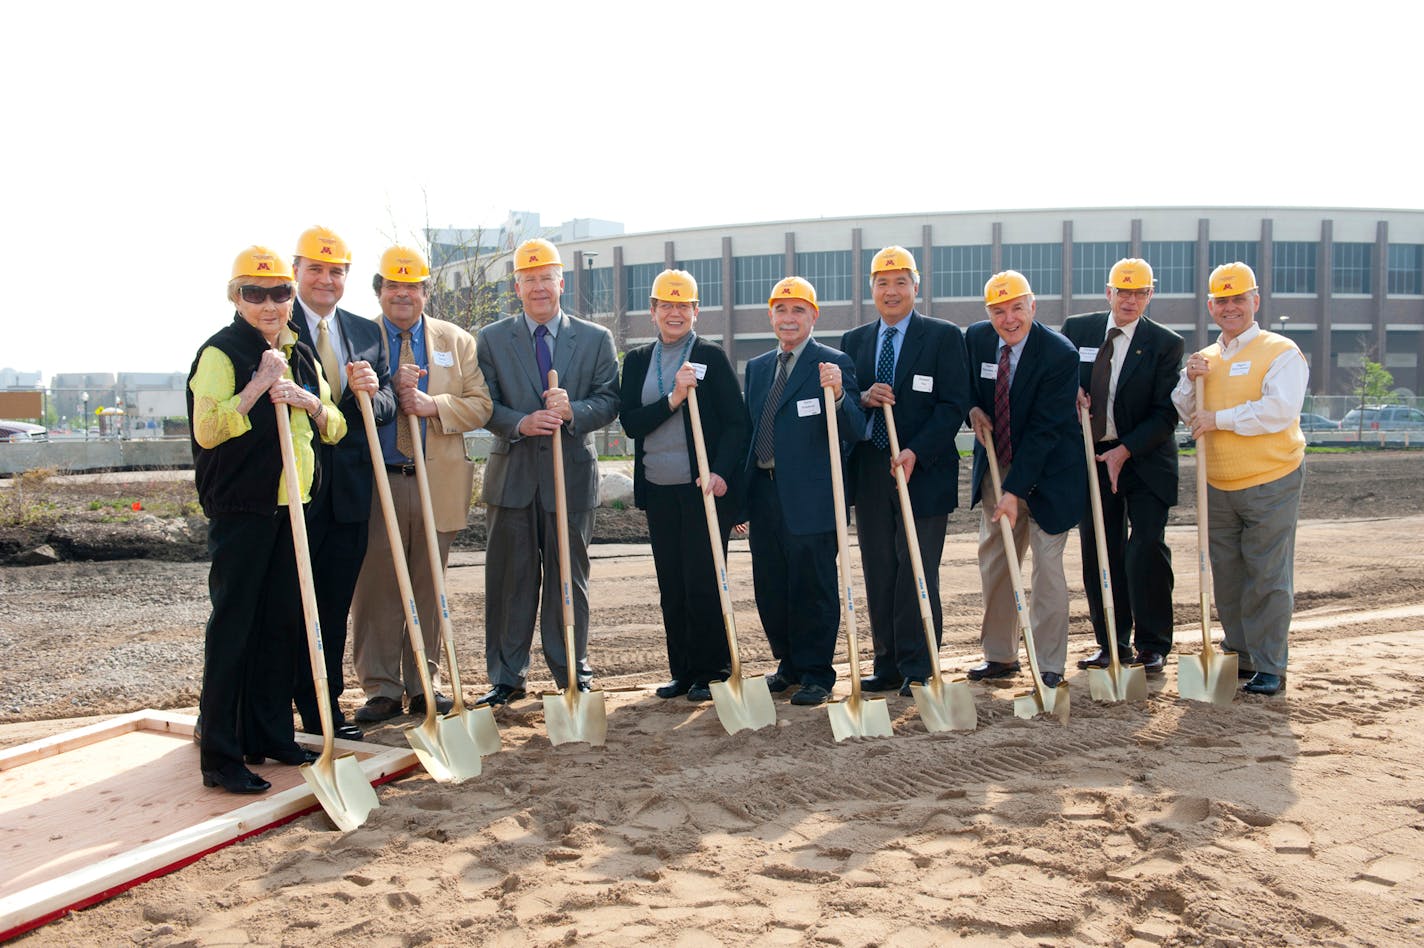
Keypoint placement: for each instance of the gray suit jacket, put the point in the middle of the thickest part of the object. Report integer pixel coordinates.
(588, 370)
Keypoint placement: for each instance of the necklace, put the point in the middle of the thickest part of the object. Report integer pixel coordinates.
(658, 359)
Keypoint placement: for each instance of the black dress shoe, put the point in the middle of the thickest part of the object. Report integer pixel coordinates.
(986, 670)
(347, 731)
(673, 688)
(699, 692)
(235, 778)
(881, 683)
(905, 691)
(1101, 659)
(502, 694)
(811, 695)
(378, 709)
(776, 683)
(443, 705)
(1152, 662)
(198, 731)
(1051, 679)
(292, 758)
(1264, 683)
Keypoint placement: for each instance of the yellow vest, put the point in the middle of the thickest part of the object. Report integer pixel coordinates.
(1233, 461)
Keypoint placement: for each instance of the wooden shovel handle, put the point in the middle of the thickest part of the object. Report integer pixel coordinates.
(1101, 541)
(1203, 539)
(912, 539)
(833, 436)
(1015, 573)
(714, 534)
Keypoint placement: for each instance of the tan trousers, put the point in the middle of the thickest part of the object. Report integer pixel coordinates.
(1048, 606)
(380, 643)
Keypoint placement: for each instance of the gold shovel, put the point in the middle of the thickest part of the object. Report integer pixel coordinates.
(478, 721)
(1117, 682)
(440, 743)
(1209, 675)
(944, 705)
(1043, 699)
(337, 782)
(741, 703)
(570, 716)
(855, 716)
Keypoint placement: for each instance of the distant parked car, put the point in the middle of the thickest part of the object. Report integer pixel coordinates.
(12, 431)
(1387, 417)
(1309, 421)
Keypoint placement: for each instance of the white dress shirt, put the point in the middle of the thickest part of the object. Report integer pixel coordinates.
(1282, 392)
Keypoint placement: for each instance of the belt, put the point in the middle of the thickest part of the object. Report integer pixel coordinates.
(1107, 445)
(407, 469)
(768, 472)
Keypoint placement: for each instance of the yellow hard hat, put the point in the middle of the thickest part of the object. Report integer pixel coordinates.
(258, 261)
(675, 286)
(321, 243)
(894, 258)
(1005, 286)
(404, 265)
(1131, 273)
(536, 252)
(794, 288)
(1231, 279)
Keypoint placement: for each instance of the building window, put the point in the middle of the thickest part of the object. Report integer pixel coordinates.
(1293, 266)
(1406, 270)
(1042, 264)
(1092, 263)
(599, 291)
(708, 274)
(639, 277)
(1232, 251)
(1350, 266)
(1174, 264)
(960, 272)
(828, 271)
(755, 276)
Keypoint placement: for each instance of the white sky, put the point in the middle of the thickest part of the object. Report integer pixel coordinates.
(146, 143)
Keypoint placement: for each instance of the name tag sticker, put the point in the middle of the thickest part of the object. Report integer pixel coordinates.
(808, 406)
(988, 370)
(1240, 368)
(443, 359)
(699, 369)
(1087, 354)
(922, 383)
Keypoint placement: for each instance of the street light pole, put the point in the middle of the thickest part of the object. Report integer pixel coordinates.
(588, 256)
(85, 399)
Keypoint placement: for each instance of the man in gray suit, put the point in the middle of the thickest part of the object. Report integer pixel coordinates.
(515, 355)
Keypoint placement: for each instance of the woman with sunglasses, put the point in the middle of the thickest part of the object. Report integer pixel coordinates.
(253, 633)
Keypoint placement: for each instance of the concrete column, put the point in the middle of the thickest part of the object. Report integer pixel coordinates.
(857, 279)
(620, 303)
(669, 255)
(729, 302)
(996, 247)
(580, 288)
(789, 267)
(1379, 282)
(1203, 273)
(927, 268)
(1136, 239)
(1323, 290)
(1067, 270)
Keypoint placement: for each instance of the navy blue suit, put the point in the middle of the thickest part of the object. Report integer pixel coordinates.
(931, 386)
(340, 507)
(793, 511)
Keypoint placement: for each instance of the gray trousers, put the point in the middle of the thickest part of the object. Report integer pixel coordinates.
(1048, 606)
(522, 579)
(1251, 543)
(380, 642)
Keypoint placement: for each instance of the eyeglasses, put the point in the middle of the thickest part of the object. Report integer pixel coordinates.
(1141, 294)
(260, 294)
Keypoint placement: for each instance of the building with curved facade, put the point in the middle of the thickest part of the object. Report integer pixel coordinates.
(1345, 283)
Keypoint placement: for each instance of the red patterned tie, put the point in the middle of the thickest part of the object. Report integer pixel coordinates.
(1003, 447)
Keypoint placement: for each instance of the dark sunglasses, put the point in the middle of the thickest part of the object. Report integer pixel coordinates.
(260, 294)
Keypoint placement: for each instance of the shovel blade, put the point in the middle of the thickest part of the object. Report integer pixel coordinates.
(342, 790)
(575, 717)
(445, 750)
(743, 704)
(1207, 678)
(946, 705)
(479, 723)
(1054, 703)
(1129, 684)
(868, 717)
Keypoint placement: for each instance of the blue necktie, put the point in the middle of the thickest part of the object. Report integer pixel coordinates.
(884, 372)
(542, 356)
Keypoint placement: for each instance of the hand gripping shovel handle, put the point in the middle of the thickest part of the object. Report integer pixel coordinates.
(709, 506)
(912, 541)
(1104, 571)
(1203, 560)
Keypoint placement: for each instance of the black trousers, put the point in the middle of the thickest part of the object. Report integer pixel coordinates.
(797, 593)
(247, 663)
(337, 551)
(1139, 562)
(890, 589)
(687, 582)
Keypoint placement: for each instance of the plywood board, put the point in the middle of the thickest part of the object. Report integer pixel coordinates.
(89, 813)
